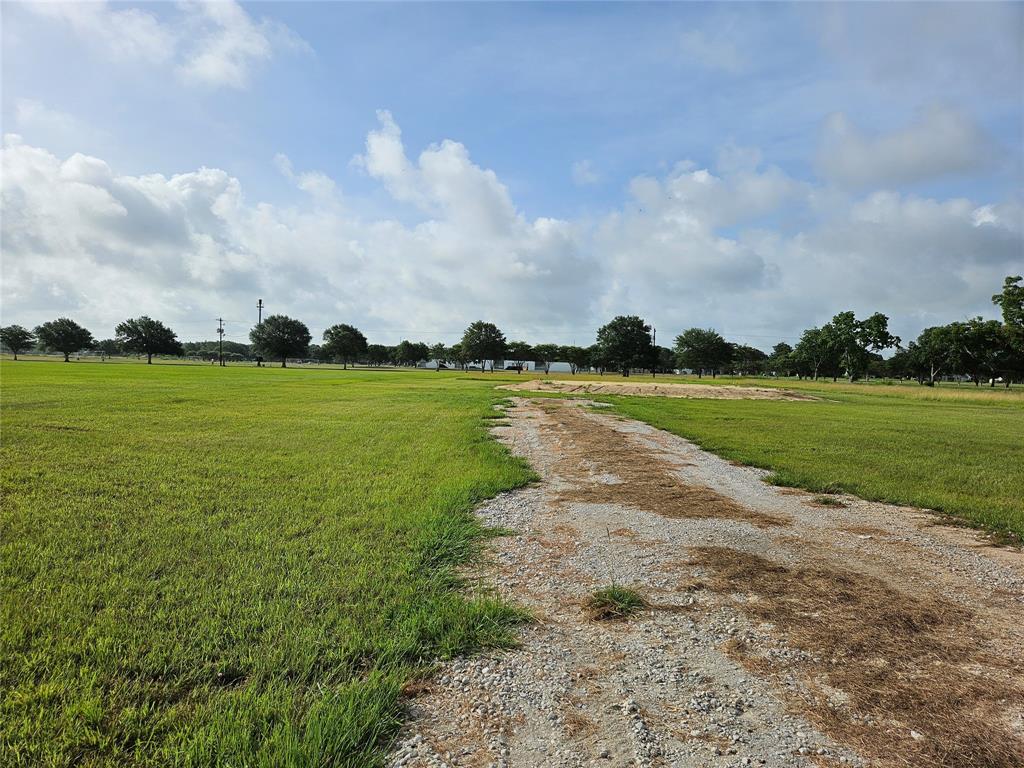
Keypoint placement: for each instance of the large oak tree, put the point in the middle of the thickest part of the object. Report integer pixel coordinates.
(146, 336)
(280, 337)
(63, 335)
(16, 339)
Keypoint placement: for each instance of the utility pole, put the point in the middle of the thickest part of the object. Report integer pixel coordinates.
(654, 341)
(259, 307)
(220, 332)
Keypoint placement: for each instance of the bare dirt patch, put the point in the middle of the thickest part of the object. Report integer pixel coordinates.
(651, 389)
(917, 685)
(591, 452)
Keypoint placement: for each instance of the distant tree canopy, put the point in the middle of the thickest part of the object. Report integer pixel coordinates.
(547, 354)
(211, 348)
(576, 357)
(63, 335)
(410, 352)
(781, 359)
(16, 339)
(747, 361)
(377, 354)
(344, 342)
(1011, 302)
(519, 352)
(483, 341)
(702, 350)
(279, 337)
(846, 345)
(146, 336)
(625, 343)
(108, 347)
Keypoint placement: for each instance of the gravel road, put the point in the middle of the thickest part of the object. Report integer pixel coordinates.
(779, 631)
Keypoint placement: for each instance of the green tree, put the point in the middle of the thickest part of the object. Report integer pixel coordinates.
(665, 359)
(702, 349)
(410, 353)
(598, 357)
(377, 354)
(111, 347)
(458, 355)
(63, 335)
(146, 336)
(547, 354)
(984, 348)
(576, 357)
(16, 339)
(934, 352)
(1011, 302)
(853, 339)
(344, 342)
(748, 360)
(279, 337)
(780, 361)
(483, 341)
(441, 353)
(519, 352)
(626, 343)
(815, 352)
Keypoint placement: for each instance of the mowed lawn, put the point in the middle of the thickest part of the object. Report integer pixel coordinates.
(233, 566)
(241, 566)
(955, 450)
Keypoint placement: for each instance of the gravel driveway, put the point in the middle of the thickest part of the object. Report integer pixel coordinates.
(779, 631)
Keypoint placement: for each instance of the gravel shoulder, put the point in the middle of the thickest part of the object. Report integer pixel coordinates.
(652, 389)
(779, 631)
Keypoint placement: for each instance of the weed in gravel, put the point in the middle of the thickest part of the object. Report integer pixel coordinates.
(827, 501)
(614, 603)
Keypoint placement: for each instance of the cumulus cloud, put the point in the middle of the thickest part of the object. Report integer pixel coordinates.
(938, 142)
(210, 43)
(692, 247)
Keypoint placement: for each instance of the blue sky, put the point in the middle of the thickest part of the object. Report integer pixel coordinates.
(856, 156)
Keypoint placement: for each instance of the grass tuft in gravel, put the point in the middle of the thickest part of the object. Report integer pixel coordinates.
(827, 501)
(614, 603)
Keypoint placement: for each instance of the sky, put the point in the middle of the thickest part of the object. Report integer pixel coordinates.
(411, 168)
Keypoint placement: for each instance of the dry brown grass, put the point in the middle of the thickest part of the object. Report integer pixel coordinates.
(905, 662)
(648, 482)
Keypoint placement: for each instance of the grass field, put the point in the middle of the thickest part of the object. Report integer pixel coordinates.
(954, 451)
(241, 566)
(237, 566)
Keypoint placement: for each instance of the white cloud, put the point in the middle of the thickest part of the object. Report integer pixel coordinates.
(121, 34)
(213, 43)
(319, 185)
(584, 173)
(940, 141)
(689, 248)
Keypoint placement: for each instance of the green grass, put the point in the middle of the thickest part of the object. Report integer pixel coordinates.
(963, 456)
(614, 602)
(240, 566)
(206, 566)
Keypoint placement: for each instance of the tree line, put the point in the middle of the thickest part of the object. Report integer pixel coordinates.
(846, 346)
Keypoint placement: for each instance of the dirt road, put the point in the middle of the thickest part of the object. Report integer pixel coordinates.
(779, 631)
(654, 389)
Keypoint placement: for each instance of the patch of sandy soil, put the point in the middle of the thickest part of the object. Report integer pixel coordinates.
(652, 389)
(779, 631)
